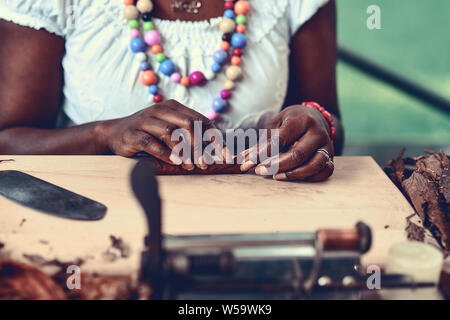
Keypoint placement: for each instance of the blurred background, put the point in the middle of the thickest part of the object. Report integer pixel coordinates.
(414, 42)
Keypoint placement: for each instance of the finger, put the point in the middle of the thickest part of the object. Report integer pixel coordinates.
(163, 131)
(278, 139)
(147, 143)
(191, 121)
(316, 164)
(185, 122)
(248, 159)
(299, 154)
(160, 129)
(322, 175)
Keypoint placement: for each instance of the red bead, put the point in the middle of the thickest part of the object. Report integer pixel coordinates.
(237, 52)
(225, 94)
(327, 116)
(157, 98)
(229, 5)
(333, 133)
(197, 78)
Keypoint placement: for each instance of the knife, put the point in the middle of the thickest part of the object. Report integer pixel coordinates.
(48, 198)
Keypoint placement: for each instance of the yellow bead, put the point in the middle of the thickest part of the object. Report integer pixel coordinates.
(130, 13)
(144, 6)
(227, 25)
(233, 73)
(229, 85)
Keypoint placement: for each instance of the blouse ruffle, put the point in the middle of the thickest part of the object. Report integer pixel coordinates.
(37, 14)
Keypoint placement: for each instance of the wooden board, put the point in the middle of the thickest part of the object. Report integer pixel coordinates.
(359, 190)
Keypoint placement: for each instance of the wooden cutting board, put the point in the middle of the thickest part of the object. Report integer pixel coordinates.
(358, 191)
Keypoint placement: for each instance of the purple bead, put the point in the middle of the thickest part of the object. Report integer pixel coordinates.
(225, 94)
(144, 66)
(219, 105)
(220, 56)
(197, 78)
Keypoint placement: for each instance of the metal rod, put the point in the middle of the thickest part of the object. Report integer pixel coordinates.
(394, 79)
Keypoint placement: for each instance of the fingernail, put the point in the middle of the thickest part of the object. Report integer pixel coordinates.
(227, 155)
(247, 165)
(262, 171)
(280, 176)
(202, 163)
(188, 165)
(175, 159)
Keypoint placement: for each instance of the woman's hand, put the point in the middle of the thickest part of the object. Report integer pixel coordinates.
(150, 131)
(305, 144)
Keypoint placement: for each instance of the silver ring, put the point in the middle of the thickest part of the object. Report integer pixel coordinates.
(325, 153)
(331, 164)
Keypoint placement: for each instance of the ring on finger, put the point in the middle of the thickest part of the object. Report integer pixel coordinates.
(325, 153)
(330, 163)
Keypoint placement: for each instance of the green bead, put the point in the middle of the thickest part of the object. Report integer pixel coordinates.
(134, 24)
(241, 19)
(160, 57)
(148, 25)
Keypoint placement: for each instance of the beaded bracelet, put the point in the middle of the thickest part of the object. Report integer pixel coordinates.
(325, 114)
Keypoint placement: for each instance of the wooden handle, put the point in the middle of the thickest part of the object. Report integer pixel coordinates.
(358, 239)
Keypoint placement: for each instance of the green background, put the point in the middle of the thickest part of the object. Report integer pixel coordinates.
(415, 42)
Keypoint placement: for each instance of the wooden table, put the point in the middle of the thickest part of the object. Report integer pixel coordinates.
(359, 190)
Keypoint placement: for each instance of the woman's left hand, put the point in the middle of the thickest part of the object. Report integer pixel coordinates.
(306, 147)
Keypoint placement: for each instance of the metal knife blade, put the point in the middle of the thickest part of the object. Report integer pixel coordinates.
(43, 196)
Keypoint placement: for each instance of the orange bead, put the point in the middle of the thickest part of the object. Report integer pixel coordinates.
(128, 2)
(185, 81)
(156, 48)
(225, 45)
(242, 7)
(240, 28)
(148, 78)
(235, 61)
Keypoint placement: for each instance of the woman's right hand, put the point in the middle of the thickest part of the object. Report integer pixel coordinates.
(150, 130)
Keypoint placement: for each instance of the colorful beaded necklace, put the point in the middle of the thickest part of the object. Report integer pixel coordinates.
(231, 49)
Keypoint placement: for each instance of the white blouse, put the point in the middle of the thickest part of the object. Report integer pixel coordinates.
(101, 74)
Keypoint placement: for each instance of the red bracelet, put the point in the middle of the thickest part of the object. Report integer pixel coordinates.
(326, 115)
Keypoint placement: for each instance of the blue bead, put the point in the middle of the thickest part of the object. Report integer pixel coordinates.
(219, 105)
(137, 45)
(220, 56)
(216, 68)
(229, 14)
(167, 67)
(153, 89)
(238, 40)
(144, 66)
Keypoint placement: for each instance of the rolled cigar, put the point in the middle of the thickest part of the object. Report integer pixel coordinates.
(162, 168)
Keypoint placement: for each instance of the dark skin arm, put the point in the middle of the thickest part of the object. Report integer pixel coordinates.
(30, 95)
(303, 130)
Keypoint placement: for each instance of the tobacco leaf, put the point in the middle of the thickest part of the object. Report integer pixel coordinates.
(21, 281)
(427, 187)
